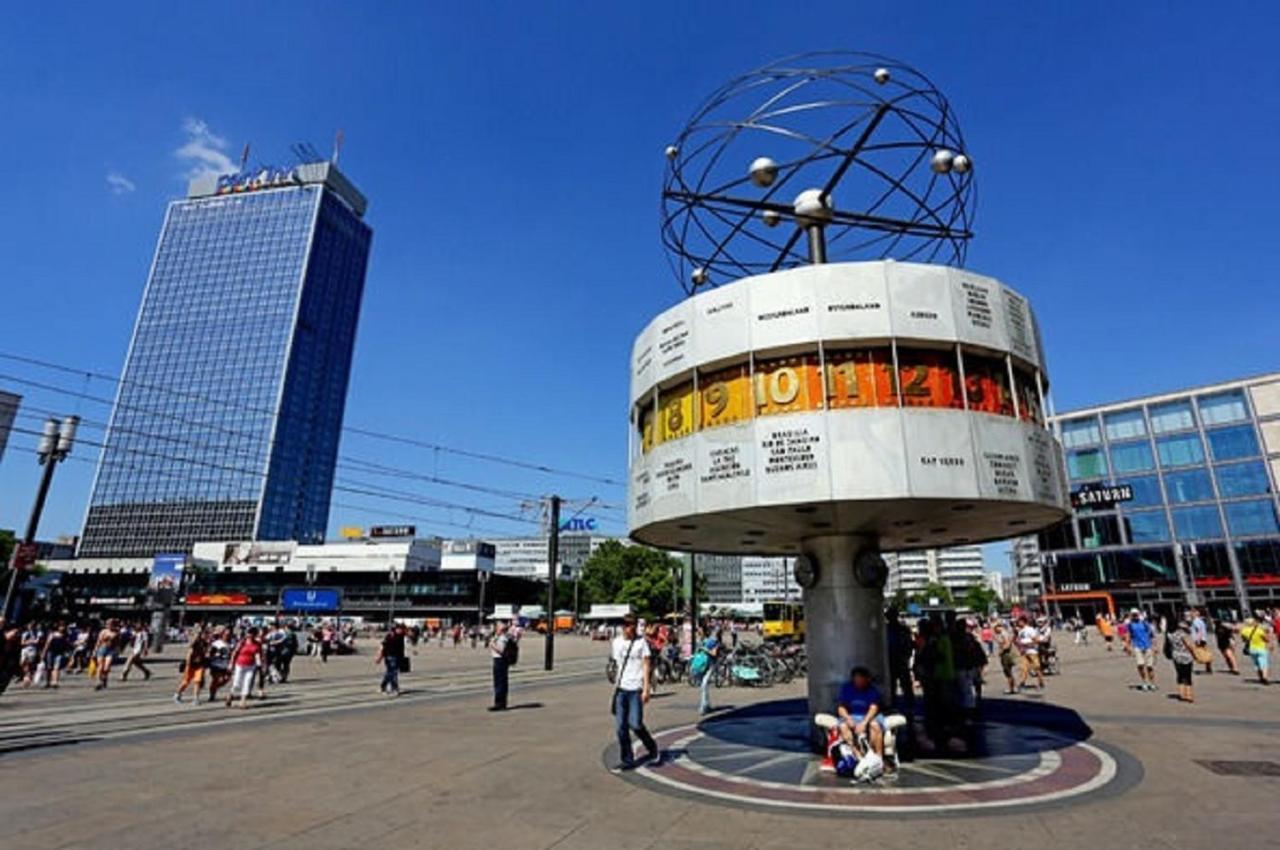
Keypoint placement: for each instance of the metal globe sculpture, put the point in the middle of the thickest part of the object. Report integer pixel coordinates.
(874, 128)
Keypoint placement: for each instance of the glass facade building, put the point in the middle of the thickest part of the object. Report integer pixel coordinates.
(229, 410)
(1203, 526)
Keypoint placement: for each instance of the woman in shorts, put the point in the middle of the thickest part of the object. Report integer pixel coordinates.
(104, 652)
(1258, 644)
(1183, 658)
(1008, 656)
(194, 667)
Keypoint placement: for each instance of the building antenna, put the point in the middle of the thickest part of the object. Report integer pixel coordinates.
(337, 146)
(244, 157)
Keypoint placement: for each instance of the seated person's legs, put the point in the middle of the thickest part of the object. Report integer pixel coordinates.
(875, 731)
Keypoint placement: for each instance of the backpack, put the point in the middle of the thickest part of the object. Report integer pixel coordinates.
(701, 661)
(511, 651)
(1168, 647)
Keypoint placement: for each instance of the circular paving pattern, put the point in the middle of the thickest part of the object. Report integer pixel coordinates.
(1021, 755)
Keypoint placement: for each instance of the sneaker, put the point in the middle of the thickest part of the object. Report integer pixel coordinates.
(827, 765)
(623, 767)
(654, 758)
(177, 698)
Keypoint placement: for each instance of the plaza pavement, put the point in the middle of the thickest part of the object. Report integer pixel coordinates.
(434, 769)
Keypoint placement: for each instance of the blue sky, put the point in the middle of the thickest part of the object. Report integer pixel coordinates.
(512, 157)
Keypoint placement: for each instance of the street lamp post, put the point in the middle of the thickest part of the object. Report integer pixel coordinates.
(55, 445)
(391, 613)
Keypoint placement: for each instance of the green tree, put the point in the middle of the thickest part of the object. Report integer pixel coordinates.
(8, 540)
(934, 590)
(899, 600)
(981, 598)
(634, 575)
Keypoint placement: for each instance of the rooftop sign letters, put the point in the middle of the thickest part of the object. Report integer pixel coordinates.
(265, 178)
(393, 531)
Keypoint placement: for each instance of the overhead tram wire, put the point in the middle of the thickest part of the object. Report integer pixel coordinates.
(391, 495)
(427, 520)
(369, 467)
(365, 432)
(374, 468)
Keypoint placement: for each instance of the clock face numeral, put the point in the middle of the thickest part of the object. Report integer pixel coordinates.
(725, 397)
(840, 380)
(788, 385)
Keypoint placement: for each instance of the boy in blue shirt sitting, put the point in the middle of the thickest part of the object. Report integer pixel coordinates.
(860, 708)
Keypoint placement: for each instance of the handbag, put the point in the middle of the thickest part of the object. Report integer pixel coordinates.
(1201, 654)
(613, 700)
(402, 663)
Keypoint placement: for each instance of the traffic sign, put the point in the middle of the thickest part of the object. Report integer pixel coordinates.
(24, 556)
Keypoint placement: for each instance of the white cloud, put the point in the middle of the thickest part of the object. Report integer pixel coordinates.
(119, 184)
(204, 152)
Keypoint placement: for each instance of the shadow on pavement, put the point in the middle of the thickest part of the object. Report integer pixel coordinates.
(1005, 727)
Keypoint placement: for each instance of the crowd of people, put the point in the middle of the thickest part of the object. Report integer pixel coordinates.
(1188, 641)
(41, 653)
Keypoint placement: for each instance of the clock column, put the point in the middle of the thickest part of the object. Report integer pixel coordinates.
(844, 620)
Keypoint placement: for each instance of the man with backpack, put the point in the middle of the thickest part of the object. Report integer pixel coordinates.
(704, 665)
(505, 649)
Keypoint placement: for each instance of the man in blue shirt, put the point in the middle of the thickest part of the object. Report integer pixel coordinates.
(1142, 641)
(860, 710)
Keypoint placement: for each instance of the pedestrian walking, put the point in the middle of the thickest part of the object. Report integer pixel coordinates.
(1258, 644)
(194, 667)
(711, 651)
(104, 652)
(1028, 641)
(631, 693)
(391, 656)
(498, 649)
(138, 649)
(1200, 640)
(1008, 652)
(1224, 635)
(1180, 647)
(246, 659)
(1142, 638)
(54, 655)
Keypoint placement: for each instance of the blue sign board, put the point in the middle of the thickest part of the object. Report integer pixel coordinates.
(310, 599)
(166, 572)
(585, 523)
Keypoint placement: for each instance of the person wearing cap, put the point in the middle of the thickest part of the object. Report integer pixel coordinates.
(1142, 639)
(1182, 653)
(631, 655)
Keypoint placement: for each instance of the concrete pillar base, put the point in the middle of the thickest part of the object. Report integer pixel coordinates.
(844, 621)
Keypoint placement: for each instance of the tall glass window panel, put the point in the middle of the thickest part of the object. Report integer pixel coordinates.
(1242, 479)
(1259, 557)
(1125, 424)
(1081, 432)
(1183, 450)
(1171, 416)
(1147, 526)
(1086, 463)
(1235, 442)
(1100, 530)
(1189, 485)
(1198, 523)
(1146, 491)
(1209, 560)
(1247, 519)
(1132, 457)
(1223, 408)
